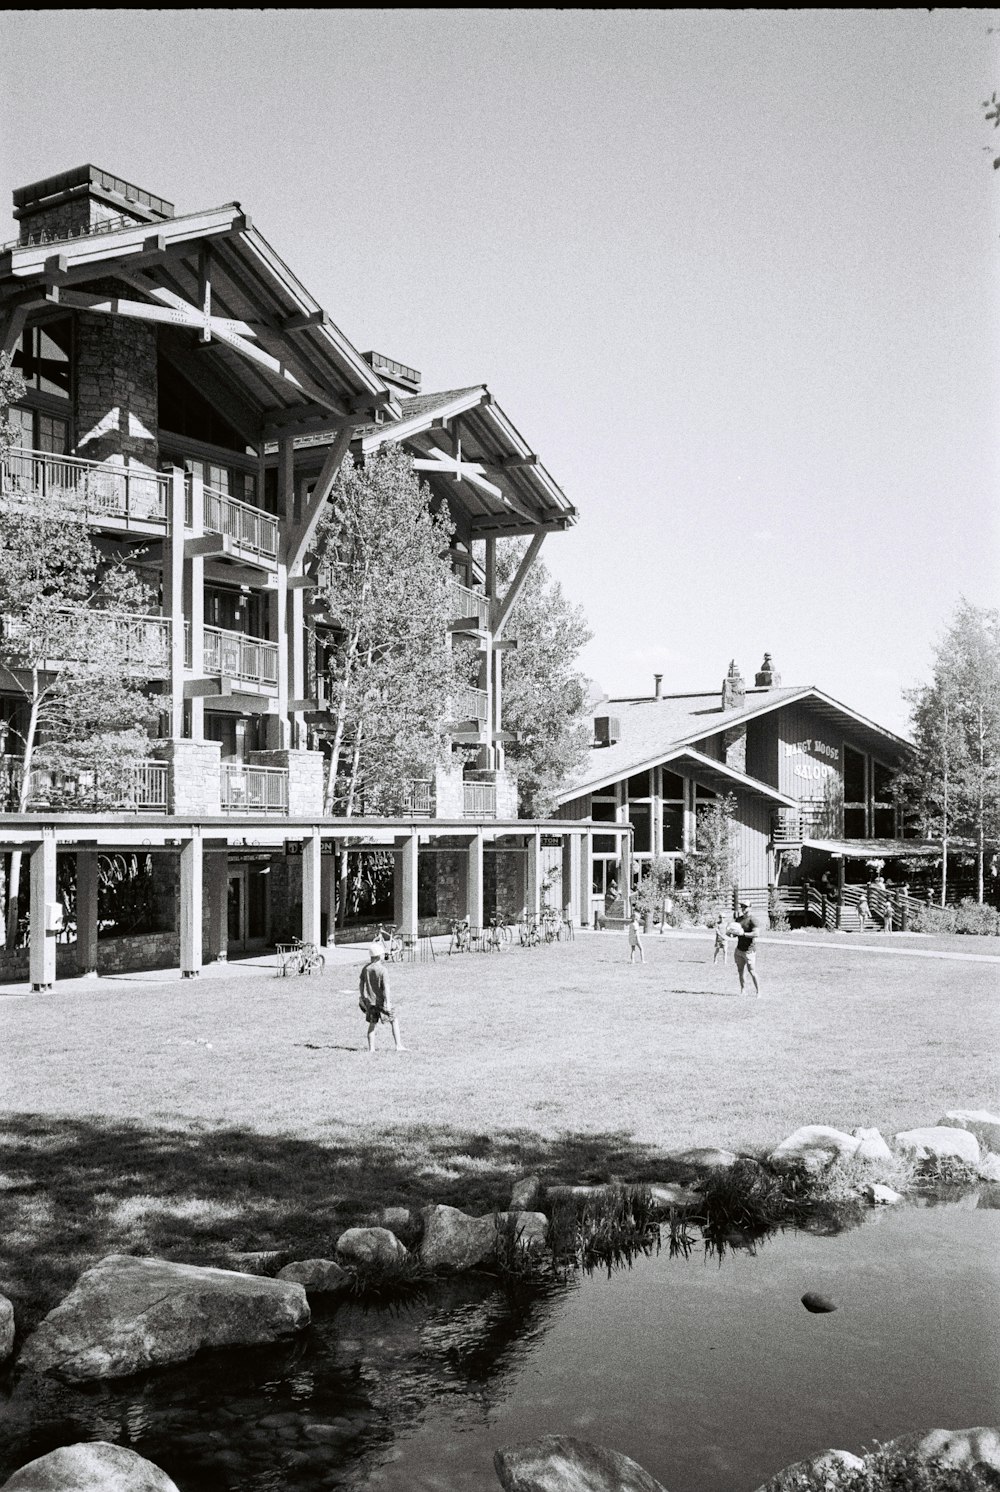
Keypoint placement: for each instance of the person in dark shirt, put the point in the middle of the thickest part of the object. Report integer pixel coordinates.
(375, 1002)
(746, 948)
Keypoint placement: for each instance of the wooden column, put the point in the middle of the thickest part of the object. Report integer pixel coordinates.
(191, 905)
(328, 883)
(586, 877)
(533, 893)
(217, 883)
(279, 730)
(406, 860)
(194, 609)
(173, 599)
(474, 882)
(86, 912)
(312, 896)
(625, 841)
(42, 944)
(295, 622)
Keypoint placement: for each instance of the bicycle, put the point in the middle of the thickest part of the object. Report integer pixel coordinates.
(299, 958)
(493, 937)
(392, 941)
(461, 937)
(550, 926)
(530, 933)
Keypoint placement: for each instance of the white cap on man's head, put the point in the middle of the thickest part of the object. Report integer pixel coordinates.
(377, 950)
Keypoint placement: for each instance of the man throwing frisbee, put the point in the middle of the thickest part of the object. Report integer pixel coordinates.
(746, 928)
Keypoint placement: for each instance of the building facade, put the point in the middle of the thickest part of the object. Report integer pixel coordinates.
(186, 391)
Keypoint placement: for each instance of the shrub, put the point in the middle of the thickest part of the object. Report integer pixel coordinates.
(749, 1197)
(388, 1281)
(931, 919)
(777, 916)
(975, 917)
(515, 1263)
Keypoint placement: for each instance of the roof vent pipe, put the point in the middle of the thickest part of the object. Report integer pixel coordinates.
(657, 685)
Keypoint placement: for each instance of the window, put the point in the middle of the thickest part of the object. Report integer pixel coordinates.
(236, 611)
(44, 357)
(184, 410)
(602, 811)
(41, 432)
(704, 794)
(672, 786)
(673, 828)
(230, 481)
(638, 786)
(642, 822)
(855, 794)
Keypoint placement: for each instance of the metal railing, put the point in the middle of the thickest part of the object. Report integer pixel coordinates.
(136, 786)
(247, 789)
(97, 488)
(249, 528)
(466, 602)
(468, 703)
(479, 800)
(418, 798)
(234, 655)
(139, 644)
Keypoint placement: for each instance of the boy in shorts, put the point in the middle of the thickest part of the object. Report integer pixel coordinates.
(634, 940)
(721, 945)
(375, 1003)
(746, 948)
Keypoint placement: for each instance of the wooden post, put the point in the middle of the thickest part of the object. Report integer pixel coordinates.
(194, 597)
(191, 905)
(173, 599)
(217, 880)
(328, 877)
(586, 878)
(86, 912)
(533, 892)
(312, 900)
(474, 882)
(42, 945)
(840, 892)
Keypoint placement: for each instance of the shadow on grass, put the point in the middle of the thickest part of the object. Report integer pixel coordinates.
(75, 1190)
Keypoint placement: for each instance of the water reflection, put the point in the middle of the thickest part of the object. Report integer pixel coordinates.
(645, 1349)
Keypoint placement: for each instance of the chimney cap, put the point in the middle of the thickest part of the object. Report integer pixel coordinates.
(657, 685)
(766, 677)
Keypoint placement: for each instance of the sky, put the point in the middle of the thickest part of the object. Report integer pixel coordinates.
(733, 275)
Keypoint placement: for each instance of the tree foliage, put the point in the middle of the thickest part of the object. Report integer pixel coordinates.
(952, 783)
(710, 869)
(544, 694)
(391, 674)
(11, 389)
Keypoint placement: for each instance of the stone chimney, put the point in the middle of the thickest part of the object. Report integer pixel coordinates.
(82, 201)
(734, 690)
(766, 678)
(657, 685)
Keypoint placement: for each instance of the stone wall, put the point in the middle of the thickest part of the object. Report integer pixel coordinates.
(305, 779)
(195, 784)
(160, 950)
(449, 793)
(735, 746)
(116, 389)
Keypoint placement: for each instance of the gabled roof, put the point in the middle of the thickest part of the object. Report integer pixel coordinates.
(654, 730)
(273, 350)
(509, 491)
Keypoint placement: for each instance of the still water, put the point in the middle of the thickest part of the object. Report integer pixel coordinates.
(709, 1373)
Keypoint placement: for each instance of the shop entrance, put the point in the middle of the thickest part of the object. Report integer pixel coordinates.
(248, 908)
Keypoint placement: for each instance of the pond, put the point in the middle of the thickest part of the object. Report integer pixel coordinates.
(708, 1371)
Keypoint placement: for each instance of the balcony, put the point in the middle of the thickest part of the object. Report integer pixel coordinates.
(479, 800)
(132, 787)
(468, 703)
(466, 602)
(251, 530)
(790, 826)
(247, 789)
(234, 655)
(122, 495)
(418, 799)
(139, 644)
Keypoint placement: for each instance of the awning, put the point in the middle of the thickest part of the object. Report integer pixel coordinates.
(877, 849)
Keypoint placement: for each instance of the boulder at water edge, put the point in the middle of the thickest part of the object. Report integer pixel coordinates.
(94, 1466)
(979, 1122)
(454, 1240)
(396, 1218)
(560, 1463)
(705, 1157)
(829, 1464)
(126, 1315)
(989, 1167)
(871, 1146)
(524, 1196)
(940, 1143)
(370, 1246)
(882, 1196)
(669, 1197)
(6, 1328)
(317, 1276)
(977, 1449)
(817, 1146)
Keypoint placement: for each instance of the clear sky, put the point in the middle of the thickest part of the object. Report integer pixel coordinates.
(734, 276)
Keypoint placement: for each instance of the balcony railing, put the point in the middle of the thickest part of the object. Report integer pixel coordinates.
(418, 799)
(808, 821)
(480, 800)
(247, 789)
(466, 602)
(249, 528)
(234, 655)
(138, 644)
(470, 704)
(97, 488)
(134, 787)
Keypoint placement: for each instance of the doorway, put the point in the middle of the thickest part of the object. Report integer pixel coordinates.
(248, 908)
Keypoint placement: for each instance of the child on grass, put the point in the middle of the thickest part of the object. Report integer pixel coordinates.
(721, 945)
(634, 940)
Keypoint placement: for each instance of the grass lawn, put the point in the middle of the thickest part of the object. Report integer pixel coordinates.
(190, 1119)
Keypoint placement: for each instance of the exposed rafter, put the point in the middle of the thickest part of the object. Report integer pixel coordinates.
(506, 606)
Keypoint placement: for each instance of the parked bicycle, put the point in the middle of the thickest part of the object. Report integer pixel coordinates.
(551, 925)
(299, 958)
(461, 937)
(531, 933)
(392, 941)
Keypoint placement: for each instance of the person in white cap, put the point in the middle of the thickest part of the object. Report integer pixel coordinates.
(375, 1002)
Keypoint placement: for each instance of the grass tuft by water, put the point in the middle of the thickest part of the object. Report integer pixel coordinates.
(888, 1468)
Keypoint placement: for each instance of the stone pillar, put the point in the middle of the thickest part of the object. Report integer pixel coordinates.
(173, 599)
(86, 912)
(312, 900)
(195, 784)
(474, 881)
(191, 872)
(194, 610)
(42, 950)
(305, 778)
(116, 389)
(217, 890)
(405, 910)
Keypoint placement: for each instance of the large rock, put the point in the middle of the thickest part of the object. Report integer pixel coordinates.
(6, 1328)
(94, 1466)
(524, 1197)
(940, 1143)
(817, 1146)
(396, 1218)
(370, 1246)
(989, 1167)
(882, 1196)
(317, 1276)
(454, 1240)
(126, 1315)
(561, 1463)
(829, 1465)
(979, 1122)
(706, 1158)
(668, 1196)
(871, 1146)
(977, 1449)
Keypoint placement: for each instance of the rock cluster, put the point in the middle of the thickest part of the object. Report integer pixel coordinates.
(94, 1466)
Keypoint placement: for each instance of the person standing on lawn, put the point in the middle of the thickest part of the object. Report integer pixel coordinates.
(375, 1002)
(746, 948)
(721, 945)
(634, 940)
